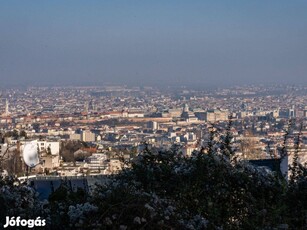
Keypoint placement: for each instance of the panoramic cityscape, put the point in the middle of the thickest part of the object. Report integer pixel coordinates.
(88, 130)
(153, 115)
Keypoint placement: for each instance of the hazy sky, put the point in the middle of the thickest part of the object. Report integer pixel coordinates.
(158, 42)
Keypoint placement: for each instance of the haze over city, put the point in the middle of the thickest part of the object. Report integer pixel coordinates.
(194, 43)
(153, 114)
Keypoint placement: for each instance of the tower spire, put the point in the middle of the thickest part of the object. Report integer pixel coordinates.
(6, 107)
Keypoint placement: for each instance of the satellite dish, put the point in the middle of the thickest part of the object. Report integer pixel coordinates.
(30, 154)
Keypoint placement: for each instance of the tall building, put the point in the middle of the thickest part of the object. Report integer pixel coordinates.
(86, 107)
(292, 112)
(186, 108)
(153, 125)
(7, 107)
(87, 136)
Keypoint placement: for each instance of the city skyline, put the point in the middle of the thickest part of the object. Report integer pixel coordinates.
(153, 114)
